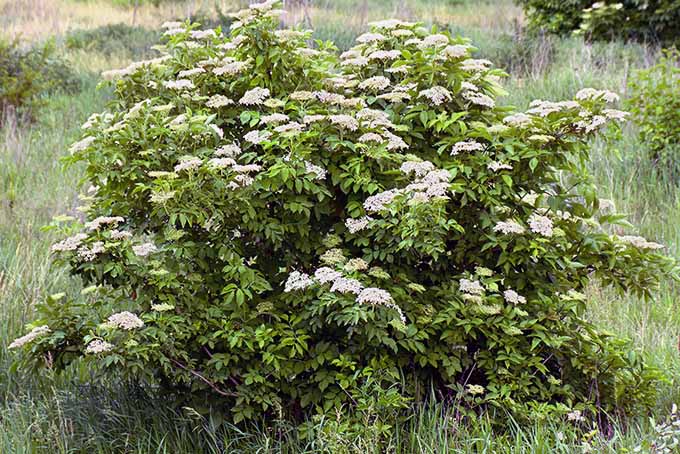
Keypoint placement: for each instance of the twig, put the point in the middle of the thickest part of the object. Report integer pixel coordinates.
(204, 379)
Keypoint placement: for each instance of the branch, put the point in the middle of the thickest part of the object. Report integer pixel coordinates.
(204, 379)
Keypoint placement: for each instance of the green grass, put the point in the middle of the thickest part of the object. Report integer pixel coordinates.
(73, 414)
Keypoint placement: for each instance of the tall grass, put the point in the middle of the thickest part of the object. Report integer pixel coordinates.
(74, 414)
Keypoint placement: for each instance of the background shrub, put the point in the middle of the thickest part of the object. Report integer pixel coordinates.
(655, 105)
(114, 39)
(27, 74)
(652, 20)
(275, 229)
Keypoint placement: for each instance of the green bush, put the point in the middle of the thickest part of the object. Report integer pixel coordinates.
(653, 20)
(277, 230)
(114, 39)
(28, 74)
(655, 106)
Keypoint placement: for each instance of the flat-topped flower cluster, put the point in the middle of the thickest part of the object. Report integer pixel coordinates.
(268, 218)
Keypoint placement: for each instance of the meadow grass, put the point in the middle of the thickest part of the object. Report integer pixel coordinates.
(72, 413)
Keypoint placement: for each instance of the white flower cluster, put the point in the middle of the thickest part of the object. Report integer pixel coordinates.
(508, 227)
(542, 225)
(254, 97)
(475, 65)
(375, 83)
(179, 84)
(370, 38)
(495, 166)
(419, 168)
(640, 242)
(471, 287)
(479, 99)
(69, 244)
(82, 145)
(297, 281)
(325, 275)
(124, 320)
(467, 145)
(217, 101)
(545, 108)
(357, 225)
(518, 120)
(188, 163)
(379, 202)
(344, 121)
(513, 297)
(257, 137)
(36, 332)
(231, 67)
(89, 254)
(142, 250)
(437, 95)
(594, 94)
(275, 118)
(96, 223)
(230, 150)
(318, 171)
(98, 346)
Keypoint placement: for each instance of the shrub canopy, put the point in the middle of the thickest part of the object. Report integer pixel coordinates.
(272, 227)
(655, 20)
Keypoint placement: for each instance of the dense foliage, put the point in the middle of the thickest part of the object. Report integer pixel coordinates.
(277, 229)
(27, 74)
(655, 105)
(655, 20)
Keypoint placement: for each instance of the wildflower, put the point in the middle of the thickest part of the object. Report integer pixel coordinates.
(274, 118)
(254, 97)
(179, 84)
(593, 124)
(380, 201)
(344, 121)
(273, 103)
(318, 171)
(36, 332)
(357, 225)
(289, 35)
(530, 198)
(356, 264)
(173, 24)
(124, 320)
(217, 101)
(542, 225)
(437, 95)
(513, 297)
(545, 108)
(297, 281)
(326, 274)
(162, 307)
(145, 249)
(640, 242)
(468, 145)
(69, 244)
(471, 287)
(82, 145)
(257, 137)
(346, 285)
(230, 150)
(327, 97)
(389, 24)
(507, 227)
(401, 33)
(188, 163)
(302, 95)
(98, 346)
